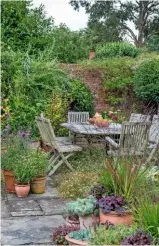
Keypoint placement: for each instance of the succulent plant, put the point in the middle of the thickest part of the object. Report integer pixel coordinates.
(140, 238)
(82, 235)
(112, 203)
(97, 191)
(83, 206)
(60, 233)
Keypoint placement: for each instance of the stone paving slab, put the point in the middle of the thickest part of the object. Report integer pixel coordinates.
(29, 230)
(24, 205)
(52, 206)
(49, 193)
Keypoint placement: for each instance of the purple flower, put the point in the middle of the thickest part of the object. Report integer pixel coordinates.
(24, 134)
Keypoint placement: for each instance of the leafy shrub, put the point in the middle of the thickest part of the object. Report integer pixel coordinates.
(116, 49)
(112, 235)
(146, 81)
(76, 184)
(140, 238)
(153, 43)
(81, 97)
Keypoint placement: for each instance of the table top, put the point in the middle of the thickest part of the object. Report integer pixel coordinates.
(89, 129)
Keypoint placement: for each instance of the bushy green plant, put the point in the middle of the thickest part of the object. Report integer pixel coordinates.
(15, 148)
(82, 98)
(83, 206)
(113, 235)
(116, 49)
(82, 235)
(146, 81)
(38, 161)
(153, 43)
(146, 212)
(123, 177)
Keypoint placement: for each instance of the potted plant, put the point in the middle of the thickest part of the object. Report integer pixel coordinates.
(24, 173)
(71, 217)
(80, 237)
(87, 211)
(9, 158)
(60, 233)
(39, 165)
(114, 210)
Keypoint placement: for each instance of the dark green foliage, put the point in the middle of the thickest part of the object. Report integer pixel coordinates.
(112, 203)
(116, 49)
(82, 100)
(153, 43)
(146, 81)
(97, 191)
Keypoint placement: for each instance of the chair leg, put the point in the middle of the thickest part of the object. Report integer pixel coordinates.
(66, 161)
(63, 160)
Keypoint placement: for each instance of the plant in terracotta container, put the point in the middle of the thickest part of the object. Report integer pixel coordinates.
(39, 165)
(114, 209)
(80, 237)
(71, 217)
(87, 211)
(60, 233)
(9, 158)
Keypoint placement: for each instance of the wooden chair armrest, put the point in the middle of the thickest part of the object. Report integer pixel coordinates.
(112, 142)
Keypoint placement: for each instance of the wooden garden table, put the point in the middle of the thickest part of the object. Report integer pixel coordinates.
(90, 131)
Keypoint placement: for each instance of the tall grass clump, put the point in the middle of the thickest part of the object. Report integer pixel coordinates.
(116, 49)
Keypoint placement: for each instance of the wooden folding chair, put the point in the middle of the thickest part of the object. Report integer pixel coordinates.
(78, 117)
(139, 118)
(61, 150)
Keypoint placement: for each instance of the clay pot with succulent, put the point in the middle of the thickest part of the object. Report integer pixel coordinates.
(80, 237)
(60, 233)
(71, 217)
(114, 209)
(87, 211)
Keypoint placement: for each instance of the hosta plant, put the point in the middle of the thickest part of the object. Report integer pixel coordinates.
(60, 233)
(139, 238)
(112, 203)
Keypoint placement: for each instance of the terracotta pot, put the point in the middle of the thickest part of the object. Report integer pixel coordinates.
(72, 241)
(114, 218)
(88, 221)
(22, 190)
(38, 185)
(9, 181)
(45, 147)
(74, 223)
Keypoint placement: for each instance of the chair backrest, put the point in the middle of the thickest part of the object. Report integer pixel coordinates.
(46, 130)
(139, 118)
(134, 136)
(78, 117)
(155, 119)
(154, 130)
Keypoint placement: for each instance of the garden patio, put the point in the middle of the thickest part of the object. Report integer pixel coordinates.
(80, 127)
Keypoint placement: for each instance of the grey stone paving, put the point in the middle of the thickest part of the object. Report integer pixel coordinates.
(31, 220)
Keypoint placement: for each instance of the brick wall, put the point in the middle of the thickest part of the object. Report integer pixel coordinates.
(93, 79)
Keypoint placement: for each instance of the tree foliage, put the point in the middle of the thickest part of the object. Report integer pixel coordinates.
(143, 14)
(146, 81)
